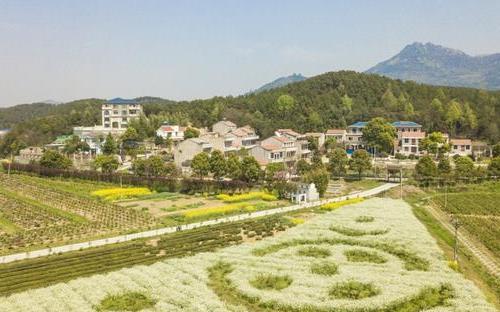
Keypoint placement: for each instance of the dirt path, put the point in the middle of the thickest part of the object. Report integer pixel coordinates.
(476, 248)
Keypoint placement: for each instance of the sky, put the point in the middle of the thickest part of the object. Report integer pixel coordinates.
(183, 50)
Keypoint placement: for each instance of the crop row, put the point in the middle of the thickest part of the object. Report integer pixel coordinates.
(19, 276)
(106, 214)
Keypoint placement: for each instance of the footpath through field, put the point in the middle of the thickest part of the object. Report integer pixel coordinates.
(481, 254)
(172, 229)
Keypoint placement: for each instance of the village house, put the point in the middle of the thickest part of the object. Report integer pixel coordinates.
(353, 136)
(243, 137)
(481, 149)
(338, 134)
(187, 149)
(305, 193)
(300, 142)
(29, 154)
(408, 143)
(276, 149)
(224, 126)
(461, 147)
(118, 112)
(173, 132)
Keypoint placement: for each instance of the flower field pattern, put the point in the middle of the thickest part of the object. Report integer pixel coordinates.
(415, 276)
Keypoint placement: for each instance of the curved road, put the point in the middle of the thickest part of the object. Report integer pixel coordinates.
(172, 229)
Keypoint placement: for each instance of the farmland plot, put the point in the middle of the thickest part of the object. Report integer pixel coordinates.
(389, 263)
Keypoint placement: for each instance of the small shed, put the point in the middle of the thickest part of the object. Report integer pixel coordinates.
(305, 193)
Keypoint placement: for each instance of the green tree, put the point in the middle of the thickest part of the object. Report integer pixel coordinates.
(464, 167)
(425, 168)
(159, 141)
(54, 159)
(494, 167)
(360, 162)
(320, 178)
(313, 144)
(317, 162)
(453, 115)
(250, 169)
(270, 174)
(106, 163)
(338, 161)
(233, 167)
(302, 166)
(191, 133)
(110, 147)
(75, 145)
(496, 150)
(218, 165)
(432, 142)
(444, 167)
(330, 144)
(156, 166)
(379, 134)
(130, 135)
(285, 102)
(201, 164)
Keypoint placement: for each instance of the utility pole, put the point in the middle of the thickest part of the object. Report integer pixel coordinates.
(456, 225)
(401, 181)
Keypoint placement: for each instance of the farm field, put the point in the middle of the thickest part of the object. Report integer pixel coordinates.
(478, 210)
(45, 212)
(370, 256)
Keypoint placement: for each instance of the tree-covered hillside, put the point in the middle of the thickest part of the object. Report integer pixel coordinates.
(329, 100)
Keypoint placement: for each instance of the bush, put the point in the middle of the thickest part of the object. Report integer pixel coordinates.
(358, 255)
(363, 219)
(315, 252)
(221, 210)
(122, 193)
(353, 232)
(324, 268)
(335, 205)
(246, 197)
(353, 290)
(268, 281)
(297, 221)
(131, 301)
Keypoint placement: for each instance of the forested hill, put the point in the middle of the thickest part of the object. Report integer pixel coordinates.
(329, 100)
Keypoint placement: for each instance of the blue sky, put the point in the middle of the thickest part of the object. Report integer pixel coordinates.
(65, 50)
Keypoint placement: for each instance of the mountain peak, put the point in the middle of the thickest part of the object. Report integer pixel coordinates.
(280, 82)
(435, 64)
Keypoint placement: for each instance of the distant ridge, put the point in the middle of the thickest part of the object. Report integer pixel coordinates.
(280, 82)
(437, 65)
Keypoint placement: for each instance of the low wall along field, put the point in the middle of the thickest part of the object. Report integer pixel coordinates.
(369, 256)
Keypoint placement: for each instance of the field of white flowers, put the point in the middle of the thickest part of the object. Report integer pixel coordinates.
(412, 263)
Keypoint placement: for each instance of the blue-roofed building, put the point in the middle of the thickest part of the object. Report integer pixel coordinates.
(117, 112)
(353, 136)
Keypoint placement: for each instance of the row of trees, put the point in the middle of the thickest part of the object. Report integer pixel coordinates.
(463, 169)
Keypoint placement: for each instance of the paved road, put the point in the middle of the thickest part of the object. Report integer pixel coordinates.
(485, 258)
(172, 229)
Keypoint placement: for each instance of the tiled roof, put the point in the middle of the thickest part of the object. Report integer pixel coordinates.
(460, 141)
(290, 132)
(166, 128)
(227, 123)
(405, 124)
(414, 135)
(359, 124)
(335, 131)
(243, 131)
(121, 101)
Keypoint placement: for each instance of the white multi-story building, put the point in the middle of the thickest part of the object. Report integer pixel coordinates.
(409, 135)
(354, 132)
(276, 149)
(117, 113)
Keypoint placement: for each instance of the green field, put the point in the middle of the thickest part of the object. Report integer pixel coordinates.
(477, 207)
(35, 273)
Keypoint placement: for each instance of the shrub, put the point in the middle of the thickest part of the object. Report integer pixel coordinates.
(122, 193)
(362, 219)
(454, 265)
(246, 197)
(358, 255)
(131, 301)
(335, 205)
(353, 232)
(353, 290)
(297, 221)
(220, 210)
(324, 268)
(269, 281)
(312, 251)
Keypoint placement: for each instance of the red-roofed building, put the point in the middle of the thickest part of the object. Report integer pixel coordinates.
(173, 132)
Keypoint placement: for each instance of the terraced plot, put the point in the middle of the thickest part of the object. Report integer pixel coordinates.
(308, 268)
(36, 211)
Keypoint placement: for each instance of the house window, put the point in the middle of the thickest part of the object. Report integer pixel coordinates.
(467, 147)
(115, 112)
(124, 112)
(124, 119)
(106, 112)
(132, 112)
(106, 118)
(407, 141)
(455, 146)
